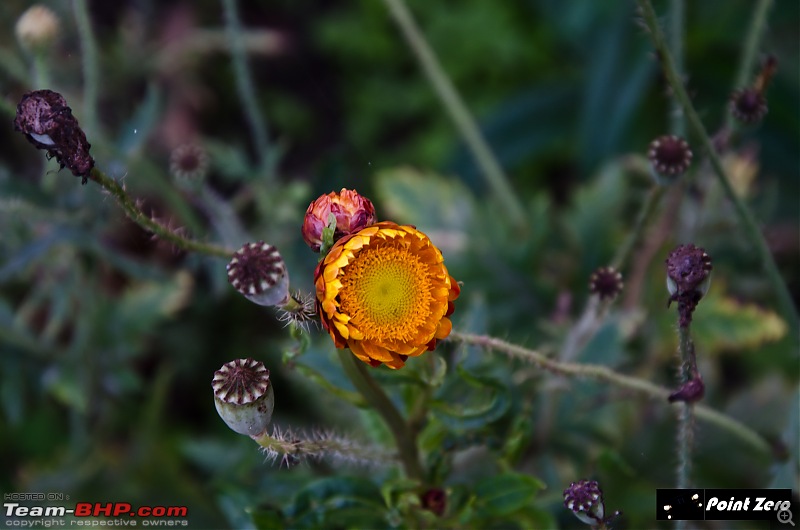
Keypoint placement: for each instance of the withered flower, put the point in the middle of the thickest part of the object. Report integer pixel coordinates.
(47, 122)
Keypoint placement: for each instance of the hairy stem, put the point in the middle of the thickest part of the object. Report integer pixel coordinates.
(688, 364)
(748, 222)
(292, 446)
(677, 15)
(377, 398)
(603, 373)
(90, 65)
(136, 215)
(492, 172)
(244, 85)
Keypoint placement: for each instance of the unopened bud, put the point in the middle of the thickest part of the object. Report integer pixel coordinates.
(351, 210)
(37, 28)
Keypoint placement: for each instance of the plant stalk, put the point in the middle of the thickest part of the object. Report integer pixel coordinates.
(606, 374)
(746, 219)
(377, 398)
(491, 169)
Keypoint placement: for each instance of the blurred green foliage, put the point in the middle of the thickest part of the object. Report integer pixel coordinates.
(108, 339)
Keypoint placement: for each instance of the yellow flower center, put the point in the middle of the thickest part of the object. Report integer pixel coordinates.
(386, 291)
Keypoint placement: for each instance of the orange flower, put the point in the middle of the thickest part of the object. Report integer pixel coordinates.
(385, 293)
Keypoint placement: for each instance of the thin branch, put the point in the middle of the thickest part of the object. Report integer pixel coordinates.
(603, 373)
(136, 215)
(492, 171)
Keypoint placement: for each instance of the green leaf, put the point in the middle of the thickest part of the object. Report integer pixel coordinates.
(505, 494)
(489, 399)
(338, 502)
(722, 323)
(427, 200)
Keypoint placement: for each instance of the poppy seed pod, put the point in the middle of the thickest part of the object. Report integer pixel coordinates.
(258, 272)
(243, 396)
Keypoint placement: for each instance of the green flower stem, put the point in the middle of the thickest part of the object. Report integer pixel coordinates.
(492, 171)
(751, 230)
(90, 65)
(128, 205)
(289, 444)
(751, 44)
(377, 398)
(676, 17)
(244, 85)
(642, 219)
(603, 373)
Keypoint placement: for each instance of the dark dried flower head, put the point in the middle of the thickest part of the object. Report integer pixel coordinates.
(670, 155)
(188, 162)
(435, 500)
(257, 271)
(243, 396)
(688, 278)
(688, 267)
(606, 282)
(351, 210)
(47, 122)
(585, 499)
(748, 105)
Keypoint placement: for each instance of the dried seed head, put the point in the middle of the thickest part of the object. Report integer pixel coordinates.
(352, 211)
(188, 162)
(257, 271)
(606, 282)
(688, 279)
(748, 105)
(670, 155)
(47, 122)
(243, 396)
(585, 499)
(37, 28)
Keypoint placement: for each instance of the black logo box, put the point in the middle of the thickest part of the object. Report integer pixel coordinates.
(696, 504)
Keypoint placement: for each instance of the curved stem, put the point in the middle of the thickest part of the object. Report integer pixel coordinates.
(746, 219)
(89, 62)
(133, 212)
(377, 398)
(492, 171)
(603, 373)
(244, 85)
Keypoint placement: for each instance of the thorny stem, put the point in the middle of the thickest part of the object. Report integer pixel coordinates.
(603, 373)
(377, 398)
(751, 43)
(293, 447)
(90, 65)
(492, 171)
(244, 85)
(136, 215)
(746, 219)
